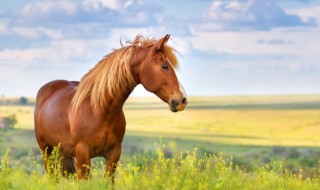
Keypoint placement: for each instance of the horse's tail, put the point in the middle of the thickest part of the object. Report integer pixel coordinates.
(68, 165)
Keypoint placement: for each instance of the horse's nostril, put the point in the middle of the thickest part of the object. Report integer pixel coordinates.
(174, 103)
(184, 100)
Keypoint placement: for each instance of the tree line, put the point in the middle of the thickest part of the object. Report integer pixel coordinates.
(23, 101)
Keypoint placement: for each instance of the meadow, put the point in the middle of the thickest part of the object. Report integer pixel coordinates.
(270, 140)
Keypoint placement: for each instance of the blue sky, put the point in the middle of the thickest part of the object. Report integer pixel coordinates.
(227, 47)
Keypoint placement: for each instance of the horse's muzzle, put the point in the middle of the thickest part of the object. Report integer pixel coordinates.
(178, 104)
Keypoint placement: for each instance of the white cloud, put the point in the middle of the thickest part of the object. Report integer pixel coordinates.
(50, 13)
(248, 42)
(248, 15)
(285, 40)
(230, 11)
(295, 49)
(113, 4)
(182, 44)
(306, 13)
(233, 40)
(23, 56)
(37, 32)
(3, 28)
(47, 7)
(57, 53)
(49, 20)
(116, 4)
(59, 50)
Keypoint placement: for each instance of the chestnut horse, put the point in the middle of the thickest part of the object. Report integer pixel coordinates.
(86, 118)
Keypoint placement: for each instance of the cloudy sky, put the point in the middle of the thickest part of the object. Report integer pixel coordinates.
(227, 47)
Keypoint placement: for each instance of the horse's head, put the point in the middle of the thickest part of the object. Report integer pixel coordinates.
(155, 71)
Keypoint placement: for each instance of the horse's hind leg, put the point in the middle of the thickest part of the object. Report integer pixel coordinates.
(67, 162)
(68, 165)
(45, 148)
(47, 152)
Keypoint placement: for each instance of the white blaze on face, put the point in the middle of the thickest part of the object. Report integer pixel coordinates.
(183, 92)
(182, 89)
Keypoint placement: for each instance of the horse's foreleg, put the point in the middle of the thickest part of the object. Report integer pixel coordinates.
(83, 161)
(112, 159)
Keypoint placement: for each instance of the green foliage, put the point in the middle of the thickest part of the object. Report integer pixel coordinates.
(4, 171)
(54, 164)
(12, 121)
(186, 171)
(10, 101)
(9, 122)
(23, 101)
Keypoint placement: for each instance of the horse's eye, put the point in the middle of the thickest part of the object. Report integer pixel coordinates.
(165, 67)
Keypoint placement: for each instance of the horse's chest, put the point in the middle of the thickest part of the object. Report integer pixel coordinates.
(105, 142)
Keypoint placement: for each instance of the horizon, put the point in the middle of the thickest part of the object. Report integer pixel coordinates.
(226, 47)
(152, 96)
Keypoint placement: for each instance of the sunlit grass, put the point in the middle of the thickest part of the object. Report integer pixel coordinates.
(186, 171)
(213, 124)
(228, 120)
(24, 115)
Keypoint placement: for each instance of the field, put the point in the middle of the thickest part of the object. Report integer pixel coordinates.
(251, 131)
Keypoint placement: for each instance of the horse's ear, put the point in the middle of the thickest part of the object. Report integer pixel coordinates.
(159, 45)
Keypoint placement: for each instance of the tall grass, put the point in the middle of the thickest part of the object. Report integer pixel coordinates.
(4, 171)
(186, 171)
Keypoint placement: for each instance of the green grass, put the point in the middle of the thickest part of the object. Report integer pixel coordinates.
(243, 120)
(186, 171)
(255, 130)
(232, 124)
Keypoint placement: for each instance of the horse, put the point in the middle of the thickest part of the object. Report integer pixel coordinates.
(86, 118)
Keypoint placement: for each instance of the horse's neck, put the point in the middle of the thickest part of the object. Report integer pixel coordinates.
(117, 102)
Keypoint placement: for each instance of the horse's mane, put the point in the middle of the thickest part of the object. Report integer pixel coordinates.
(113, 74)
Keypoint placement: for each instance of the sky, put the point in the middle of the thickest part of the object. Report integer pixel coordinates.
(226, 47)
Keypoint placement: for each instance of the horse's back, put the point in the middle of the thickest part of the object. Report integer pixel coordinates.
(48, 89)
(51, 111)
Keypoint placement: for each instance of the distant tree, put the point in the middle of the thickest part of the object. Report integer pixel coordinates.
(23, 101)
(11, 121)
(8, 122)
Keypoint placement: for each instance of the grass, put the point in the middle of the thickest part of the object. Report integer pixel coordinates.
(256, 130)
(232, 124)
(242, 120)
(186, 171)
(24, 115)
(242, 127)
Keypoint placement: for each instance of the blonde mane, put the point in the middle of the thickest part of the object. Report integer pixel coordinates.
(112, 75)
